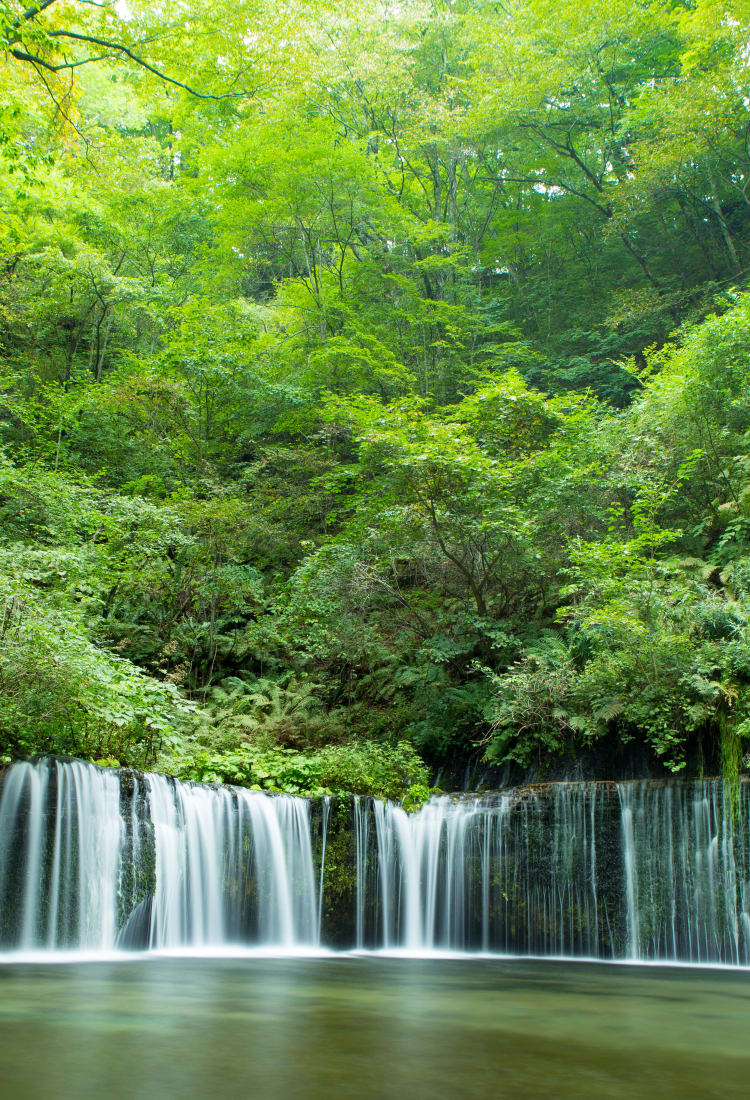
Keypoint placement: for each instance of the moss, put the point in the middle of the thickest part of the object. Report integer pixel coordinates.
(339, 874)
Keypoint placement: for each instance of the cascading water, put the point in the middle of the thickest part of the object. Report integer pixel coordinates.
(687, 864)
(60, 838)
(495, 872)
(185, 866)
(231, 866)
(95, 859)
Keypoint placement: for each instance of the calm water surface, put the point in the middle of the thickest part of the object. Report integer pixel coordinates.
(353, 1027)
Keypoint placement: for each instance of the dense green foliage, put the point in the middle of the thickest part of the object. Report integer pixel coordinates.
(373, 379)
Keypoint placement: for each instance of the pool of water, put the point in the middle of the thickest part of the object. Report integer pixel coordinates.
(374, 1027)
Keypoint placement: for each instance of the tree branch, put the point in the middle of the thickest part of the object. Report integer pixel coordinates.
(20, 55)
(120, 48)
(31, 13)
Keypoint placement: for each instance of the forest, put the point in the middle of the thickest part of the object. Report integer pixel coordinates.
(374, 386)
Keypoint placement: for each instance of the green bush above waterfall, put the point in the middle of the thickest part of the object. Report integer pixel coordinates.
(385, 771)
(377, 405)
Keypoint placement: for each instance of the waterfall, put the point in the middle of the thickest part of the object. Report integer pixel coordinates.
(686, 872)
(361, 833)
(638, 870)
(494, 872)
(185, 866)
(96, 859)
(232, 866)
(61, 834)
(631, 872)
(321, 880)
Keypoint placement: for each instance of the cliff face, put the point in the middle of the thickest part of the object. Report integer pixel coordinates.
(610, 759)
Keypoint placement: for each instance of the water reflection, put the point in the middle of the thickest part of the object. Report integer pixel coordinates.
(370, 1027)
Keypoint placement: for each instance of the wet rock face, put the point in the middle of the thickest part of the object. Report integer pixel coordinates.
(608, 760)
(339, 872)
(137, 876)
(519, 871)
